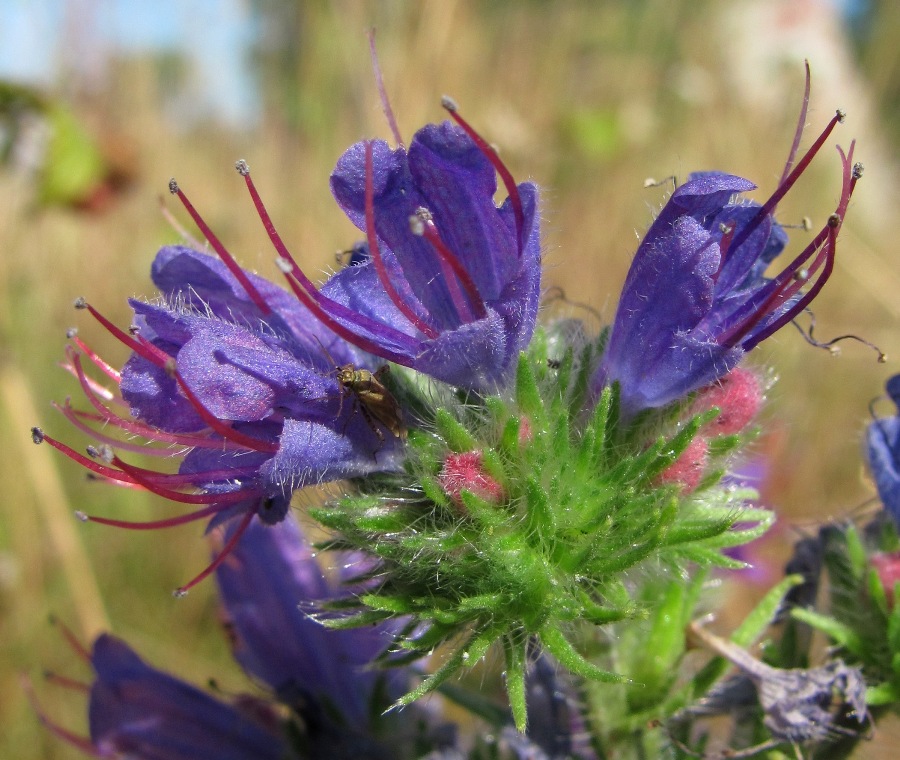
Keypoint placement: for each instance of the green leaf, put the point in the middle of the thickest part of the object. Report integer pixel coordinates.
(842, 634)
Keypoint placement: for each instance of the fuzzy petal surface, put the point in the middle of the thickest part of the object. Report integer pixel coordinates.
(138, 711)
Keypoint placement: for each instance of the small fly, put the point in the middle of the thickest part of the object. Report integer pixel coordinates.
(372, 398)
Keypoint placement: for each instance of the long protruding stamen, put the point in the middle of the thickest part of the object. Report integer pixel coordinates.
(333, 324)
(785, 285)
(222, 555)
(186, 236)
(67, 683)
(107, 369)
(227, 259)
(325, 309)
(228, 497)
(375, 251)
(423, 224)
(78, 418)
(382, 92)
(801, 122)
(146, 350)
(156, 356)
(71, 639)
(104, 471)
(82, 743)
(511, 188)
(768, 207)
(170, 522)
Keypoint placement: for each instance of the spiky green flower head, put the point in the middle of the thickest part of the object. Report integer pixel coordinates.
(531, 516)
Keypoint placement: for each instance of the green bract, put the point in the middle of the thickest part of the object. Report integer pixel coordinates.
(584, 520)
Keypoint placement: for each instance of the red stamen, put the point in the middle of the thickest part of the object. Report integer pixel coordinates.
(375, 251)
(769, 206)
(239, 274)
(785, 285)
(337, 327)
(425, 226)
(186, 236)
(312, 298)
(39, 436)
(152, 484)
(170, 522)
(155, 355)
(382, 93)
(511, 188)
(222, 555)
(135, 345)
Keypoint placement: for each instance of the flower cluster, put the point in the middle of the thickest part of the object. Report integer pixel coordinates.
(510, 486)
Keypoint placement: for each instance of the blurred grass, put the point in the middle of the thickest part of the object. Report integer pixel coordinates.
(588, 99)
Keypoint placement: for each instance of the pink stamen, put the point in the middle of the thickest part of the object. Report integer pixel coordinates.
(372, 238)
(222, 555)
(239, 274)
(153, 435)
(179, 480)
(457, 272)
(312, 298)
(154, 524)
(152, 485)
(155, 355)
(505, 175)
(112, 373)
(97, 390)
(382, 92)
(39, 436)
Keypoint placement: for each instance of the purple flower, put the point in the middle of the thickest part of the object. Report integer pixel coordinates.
(883, 452)
(555, 721)
(695, 300)
(240, 375)
(138, 711)
(451, 283)
(268, 587)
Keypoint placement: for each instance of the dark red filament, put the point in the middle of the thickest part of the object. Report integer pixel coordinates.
(233, 267)
(505, 175)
